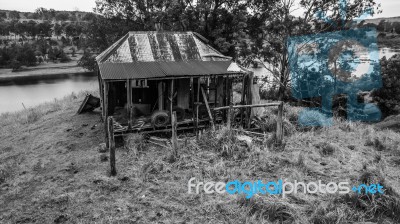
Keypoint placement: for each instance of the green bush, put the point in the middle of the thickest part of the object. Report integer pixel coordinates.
(87, 61)
(388, 97)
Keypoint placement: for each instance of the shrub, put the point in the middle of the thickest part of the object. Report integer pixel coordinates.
(33, 116)
(135, 143)
(87, 61)
(377, 144)
(326, 149)
(15, 65)
(313, 118)
(64, 57)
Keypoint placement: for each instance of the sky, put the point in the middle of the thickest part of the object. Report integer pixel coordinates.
(390, 8)
(62, 5)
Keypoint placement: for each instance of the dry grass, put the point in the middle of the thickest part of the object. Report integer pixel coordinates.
(51, 172)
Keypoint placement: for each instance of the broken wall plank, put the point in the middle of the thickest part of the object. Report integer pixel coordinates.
(208, 109)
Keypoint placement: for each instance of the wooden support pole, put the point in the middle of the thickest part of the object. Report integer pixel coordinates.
(160, 95)
(192, 99)
(171, 98)
(174, 139)
(243, 99)
(229, 117)
(196, 122)
(215, 94)
(111, 145)
(279, 124)
(106, 90)
(208, 109)
(105, 112)
(129, 102)
(249, 100)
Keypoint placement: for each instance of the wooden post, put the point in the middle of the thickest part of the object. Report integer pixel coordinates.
(249, 100)
(171, 99)
(229, 116)
(197, 108)
(174, 138)
(111, 145)
(215, 95)
(106, 90)
(208, 109)
(243, 99)
(160, 95)
(105, 112)
(193, 103)
(129, 102)
(279, 124)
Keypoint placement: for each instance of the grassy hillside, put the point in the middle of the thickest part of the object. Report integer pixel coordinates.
(51, 171)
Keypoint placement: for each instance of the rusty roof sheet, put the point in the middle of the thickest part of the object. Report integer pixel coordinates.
(150, 46)
(144, 70)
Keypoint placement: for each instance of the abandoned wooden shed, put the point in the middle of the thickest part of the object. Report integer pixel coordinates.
(145, 76)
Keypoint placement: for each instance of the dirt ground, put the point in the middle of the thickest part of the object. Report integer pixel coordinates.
(51, 171)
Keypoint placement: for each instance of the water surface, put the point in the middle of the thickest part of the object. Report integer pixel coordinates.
(33, 91)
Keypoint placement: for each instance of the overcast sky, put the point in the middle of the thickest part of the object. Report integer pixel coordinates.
(390, 8)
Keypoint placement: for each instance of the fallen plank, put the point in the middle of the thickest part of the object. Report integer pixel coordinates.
(247, 106)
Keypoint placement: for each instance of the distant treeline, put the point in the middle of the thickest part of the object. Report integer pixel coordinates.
(46, 14)
(44, 36)
(383, 26)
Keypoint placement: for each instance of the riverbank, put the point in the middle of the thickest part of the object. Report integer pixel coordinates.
(51, 171)
(44, 70)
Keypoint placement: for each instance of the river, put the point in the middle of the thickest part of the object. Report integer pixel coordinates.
(33, 91)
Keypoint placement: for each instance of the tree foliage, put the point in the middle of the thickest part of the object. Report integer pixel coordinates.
(388, 97)
(272, 24)
(87, 61)
(222, 22)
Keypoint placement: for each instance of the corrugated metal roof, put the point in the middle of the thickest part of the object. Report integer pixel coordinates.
(143, 70)
(144, 46)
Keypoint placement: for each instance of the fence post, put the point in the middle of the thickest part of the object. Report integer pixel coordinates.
(111, 145)
(279, 124)
(174, 134)
(229, 117)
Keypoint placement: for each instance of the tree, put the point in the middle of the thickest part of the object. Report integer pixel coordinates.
(14, 15)
(396, 26)
(70, 30)
(58, 30)
(89, 17)
(44, 29)
(270, 26)
(87, 61)
(31, 28)
(381, 26)
(27, 55)
(388, 97)
(62, 16)
(220, 21)
(3, 15)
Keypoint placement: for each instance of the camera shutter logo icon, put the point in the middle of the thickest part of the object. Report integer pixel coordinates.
(327, 64)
